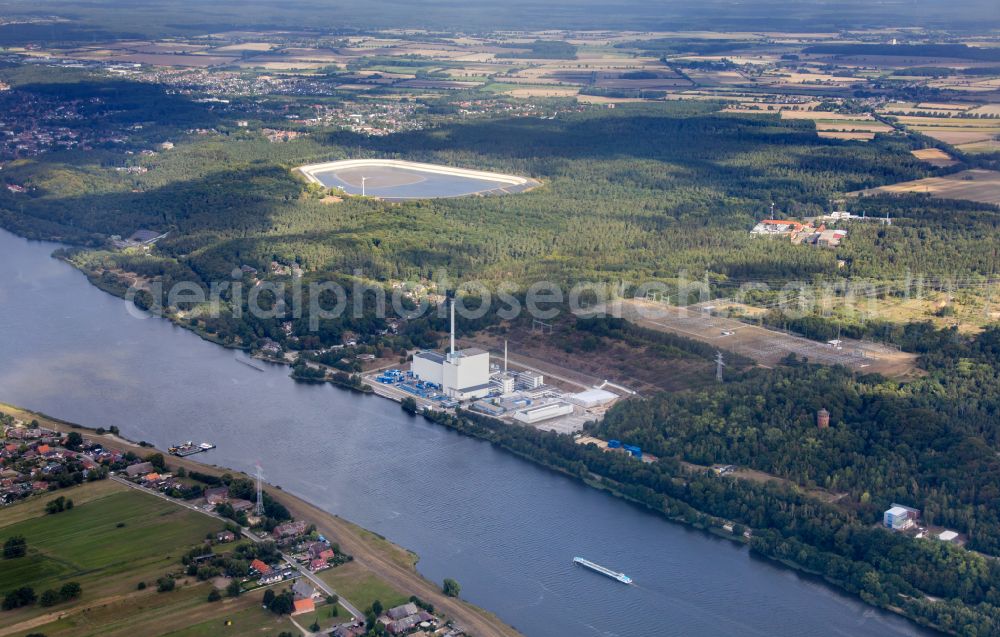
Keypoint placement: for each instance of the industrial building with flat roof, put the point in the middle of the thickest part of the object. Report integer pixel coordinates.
(592, 398)
(900, 518)
(462, 374)
(538, 413)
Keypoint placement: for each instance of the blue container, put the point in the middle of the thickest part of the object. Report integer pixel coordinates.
(614, 444)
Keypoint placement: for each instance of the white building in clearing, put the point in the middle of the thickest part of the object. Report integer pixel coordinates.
(592, 398)
(538, 413)
(462, 374)
(900, 518)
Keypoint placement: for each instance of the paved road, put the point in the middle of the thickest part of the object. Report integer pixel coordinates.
(352, 540)
(323, 586)
(472, 620)
(253, 537)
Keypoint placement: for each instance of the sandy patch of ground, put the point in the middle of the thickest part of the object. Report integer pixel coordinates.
(766, 346)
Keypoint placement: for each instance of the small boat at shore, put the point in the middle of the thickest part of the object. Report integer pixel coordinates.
(621, 577)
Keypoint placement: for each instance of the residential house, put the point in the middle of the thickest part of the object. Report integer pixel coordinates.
(318, 565)
(405, 610)
(290, 529)
(303, 589)
(241, 505)
(139, 469)
(317, 548)
(271, 578)
(217, 495)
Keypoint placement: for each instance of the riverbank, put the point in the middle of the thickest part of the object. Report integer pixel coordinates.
(679, 511)
(391, 565)
(673, 509)
(506, 529)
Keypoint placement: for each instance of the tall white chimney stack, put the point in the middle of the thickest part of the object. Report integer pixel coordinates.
(452, 355)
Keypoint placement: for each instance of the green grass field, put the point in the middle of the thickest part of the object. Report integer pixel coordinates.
(87, 542)
(322, 616)
(362, 588)
(110, 541)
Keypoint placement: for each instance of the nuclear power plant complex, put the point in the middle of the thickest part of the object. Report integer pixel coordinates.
(467, 376)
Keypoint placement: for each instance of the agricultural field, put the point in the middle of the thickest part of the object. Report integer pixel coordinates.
(361, 587)
(968, 134)
(935, 157)
(112, 539)
(969, 185)
(833, 125)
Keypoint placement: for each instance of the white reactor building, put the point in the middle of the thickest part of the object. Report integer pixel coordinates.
(462, 374)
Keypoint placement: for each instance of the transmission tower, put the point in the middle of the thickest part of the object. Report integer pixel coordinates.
(258, 509)
(719, 364)
(541, 326)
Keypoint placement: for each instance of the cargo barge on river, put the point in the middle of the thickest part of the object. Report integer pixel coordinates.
(621, 577)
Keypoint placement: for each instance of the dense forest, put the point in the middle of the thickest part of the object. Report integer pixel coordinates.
(638, 193)
(928, 443)
(959, 51)
(542, 49)
(662, 187)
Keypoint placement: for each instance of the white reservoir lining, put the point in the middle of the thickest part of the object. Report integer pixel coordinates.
(310, 170)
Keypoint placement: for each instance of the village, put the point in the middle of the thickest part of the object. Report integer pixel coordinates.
(259, 547)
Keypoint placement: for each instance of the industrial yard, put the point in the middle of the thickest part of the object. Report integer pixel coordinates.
(476, 380)
(768, 347)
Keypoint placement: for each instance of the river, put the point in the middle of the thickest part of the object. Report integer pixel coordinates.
(506, 529)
